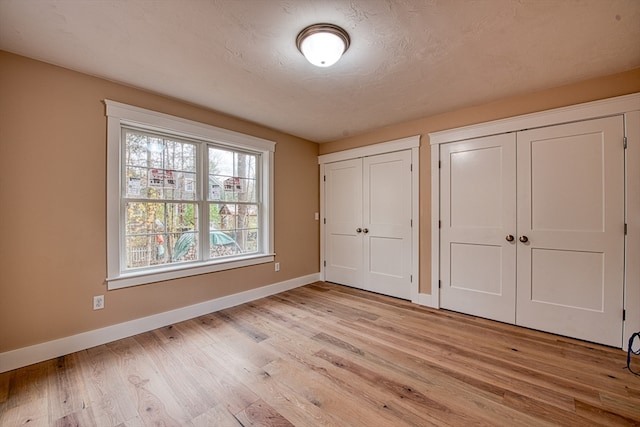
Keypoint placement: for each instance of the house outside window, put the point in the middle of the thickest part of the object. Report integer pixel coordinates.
(183, 198)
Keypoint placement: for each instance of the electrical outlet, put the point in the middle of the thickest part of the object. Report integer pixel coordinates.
(98, 302)
(277, 266)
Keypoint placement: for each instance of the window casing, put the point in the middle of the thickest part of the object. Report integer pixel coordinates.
(183, 198)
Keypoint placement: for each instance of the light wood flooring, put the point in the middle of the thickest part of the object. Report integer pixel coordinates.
(326, 355)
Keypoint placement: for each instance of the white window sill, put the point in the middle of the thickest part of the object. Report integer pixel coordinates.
(144, 277)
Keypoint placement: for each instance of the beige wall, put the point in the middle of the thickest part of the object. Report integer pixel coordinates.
(52, 212)
(590, 90)
(52, 192)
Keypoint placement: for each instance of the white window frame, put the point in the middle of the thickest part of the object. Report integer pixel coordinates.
(119, 115)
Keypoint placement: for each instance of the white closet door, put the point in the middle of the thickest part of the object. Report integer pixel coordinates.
(387, 224)
(343, 209)
(478, 211)
(571, 210)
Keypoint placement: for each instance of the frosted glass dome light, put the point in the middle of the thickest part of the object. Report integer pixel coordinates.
(323, 44)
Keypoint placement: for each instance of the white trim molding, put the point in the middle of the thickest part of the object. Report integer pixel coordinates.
(119, 115)
(25, 356)
(632, 218)
(573, 113)
(629, 107)
(372, 150)
(427, 300)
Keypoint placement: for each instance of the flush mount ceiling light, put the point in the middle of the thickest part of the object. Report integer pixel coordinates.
(323, 44)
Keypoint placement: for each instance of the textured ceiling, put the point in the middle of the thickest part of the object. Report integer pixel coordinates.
(408, 58)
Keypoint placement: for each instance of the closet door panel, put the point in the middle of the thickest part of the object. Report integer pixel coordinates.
(478, 195)
(343, 207)
(571, 210)
(387, 221)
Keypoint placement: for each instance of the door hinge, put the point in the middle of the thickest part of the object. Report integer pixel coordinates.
(439, 224)
(624, 315)
(411, 167)
(624, 142)
(411, 278)
(411, 223)
(626, 228)
(325, 263)
(439, 284)
(324, 178)
(439, 164)
(325, 221)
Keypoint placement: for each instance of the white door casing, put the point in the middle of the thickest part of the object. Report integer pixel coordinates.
(571, 212)
(478, 212)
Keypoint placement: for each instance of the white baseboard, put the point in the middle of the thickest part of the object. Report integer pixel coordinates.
(48, 350)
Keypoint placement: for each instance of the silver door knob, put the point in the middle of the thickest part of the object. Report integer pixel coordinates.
(524, 239)
(358, 230)
(366, 230)
(509, 238)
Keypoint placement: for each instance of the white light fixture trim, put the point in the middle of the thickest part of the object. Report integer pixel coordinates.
(323, 44)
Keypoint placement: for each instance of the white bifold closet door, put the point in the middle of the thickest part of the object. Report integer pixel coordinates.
(478, 211)
(343, 212)
(532, 228)
(571, 208)
(368, 223)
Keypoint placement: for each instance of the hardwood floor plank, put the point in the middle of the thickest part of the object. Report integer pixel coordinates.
(217, 416)
(30, 413)
(153, 396)
(604, 417)
(548, 394)
(564, 375)
(82, 417)
(387, 404)
(133, 422)
(214, 377)
(288, 403)
(301, 373)
(325, 338)
(328, 355)
(261, 414)
(485, 362)
(172, 364)
(620, 405)
(329, 388)
(4, 387)
(67, 390)
(544, 411)
(107, 392)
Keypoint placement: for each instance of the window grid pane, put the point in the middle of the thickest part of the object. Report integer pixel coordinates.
(154, 233)
(234, 229)
(159, 168)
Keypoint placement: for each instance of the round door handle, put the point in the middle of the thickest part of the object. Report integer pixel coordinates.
(524, 239)
(509, 238)
(366, 230)
(358, 230)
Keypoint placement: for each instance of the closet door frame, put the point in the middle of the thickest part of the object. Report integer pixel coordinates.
(410, 143)
(629, 107)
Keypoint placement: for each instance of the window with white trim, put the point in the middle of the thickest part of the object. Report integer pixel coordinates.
(183, 198)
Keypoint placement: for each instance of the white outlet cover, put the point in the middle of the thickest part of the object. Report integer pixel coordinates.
(98, 302)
